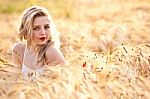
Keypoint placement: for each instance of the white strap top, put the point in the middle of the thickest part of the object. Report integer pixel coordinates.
(31, 74)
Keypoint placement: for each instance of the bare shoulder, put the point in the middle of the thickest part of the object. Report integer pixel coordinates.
(54, 55)
(17, 53)
(19, 46)
(18, 49)
(52, 50)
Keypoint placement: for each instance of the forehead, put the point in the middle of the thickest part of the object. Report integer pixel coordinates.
(41, 20)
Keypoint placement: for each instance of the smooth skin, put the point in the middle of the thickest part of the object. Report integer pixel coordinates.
(41, 32)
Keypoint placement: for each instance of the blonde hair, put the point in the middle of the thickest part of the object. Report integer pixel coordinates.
(25, 29)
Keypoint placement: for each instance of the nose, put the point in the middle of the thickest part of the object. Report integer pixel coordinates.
(42, 31)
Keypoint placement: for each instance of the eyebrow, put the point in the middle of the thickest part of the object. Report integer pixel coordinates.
(39, 25)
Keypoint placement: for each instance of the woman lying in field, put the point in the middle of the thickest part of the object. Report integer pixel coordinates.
(41, 46)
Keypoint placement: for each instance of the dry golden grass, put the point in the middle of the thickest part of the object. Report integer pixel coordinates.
(106, 47)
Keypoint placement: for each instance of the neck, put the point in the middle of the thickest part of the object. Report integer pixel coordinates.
(33, 49)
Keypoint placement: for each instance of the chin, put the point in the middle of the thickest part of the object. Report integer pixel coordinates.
(42, 43)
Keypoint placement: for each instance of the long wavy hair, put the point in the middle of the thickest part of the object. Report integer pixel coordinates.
(26, 29)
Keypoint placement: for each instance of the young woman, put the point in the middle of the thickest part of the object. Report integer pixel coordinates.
(41, 46)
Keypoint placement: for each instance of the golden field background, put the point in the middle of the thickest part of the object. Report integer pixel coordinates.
(110, 38)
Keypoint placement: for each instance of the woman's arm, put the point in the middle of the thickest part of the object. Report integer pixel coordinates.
(54, 56)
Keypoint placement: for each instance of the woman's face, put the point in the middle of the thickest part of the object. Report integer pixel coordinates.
(41, 30)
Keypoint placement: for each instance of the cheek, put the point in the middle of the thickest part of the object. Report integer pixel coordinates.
(34, 35)
(48, 34)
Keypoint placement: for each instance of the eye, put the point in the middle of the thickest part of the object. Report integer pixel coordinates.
(46, 27)
(36, 28)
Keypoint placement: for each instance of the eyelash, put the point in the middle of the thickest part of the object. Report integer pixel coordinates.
(37, 28)
(46, 27)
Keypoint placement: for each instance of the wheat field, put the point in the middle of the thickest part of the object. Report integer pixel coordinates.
(106, 44)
